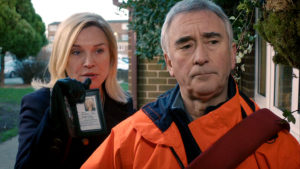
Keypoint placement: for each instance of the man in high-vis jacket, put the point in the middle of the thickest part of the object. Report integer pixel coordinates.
(171, 132)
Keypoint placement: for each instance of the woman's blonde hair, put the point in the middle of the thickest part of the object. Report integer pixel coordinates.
(64, 39)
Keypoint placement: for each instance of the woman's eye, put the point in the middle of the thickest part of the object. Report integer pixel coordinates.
(75, 52)
(99, 50)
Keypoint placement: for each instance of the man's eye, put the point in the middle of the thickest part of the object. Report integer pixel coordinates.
(186, 46)
(213, 42)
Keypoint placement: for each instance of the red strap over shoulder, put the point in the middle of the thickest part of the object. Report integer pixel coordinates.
(241, 141)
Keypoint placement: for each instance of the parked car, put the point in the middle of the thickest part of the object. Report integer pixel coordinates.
(10, 69)
(123, 63)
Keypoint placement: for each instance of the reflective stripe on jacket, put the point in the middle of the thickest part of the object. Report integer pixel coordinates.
(144, 139)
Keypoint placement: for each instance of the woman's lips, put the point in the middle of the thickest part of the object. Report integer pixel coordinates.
(90, 75)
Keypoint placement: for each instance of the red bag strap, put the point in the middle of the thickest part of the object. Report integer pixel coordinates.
(241, 141)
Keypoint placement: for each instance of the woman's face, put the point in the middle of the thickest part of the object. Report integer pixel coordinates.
(90, 57)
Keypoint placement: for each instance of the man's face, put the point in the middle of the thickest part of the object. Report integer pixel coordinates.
(199, 55)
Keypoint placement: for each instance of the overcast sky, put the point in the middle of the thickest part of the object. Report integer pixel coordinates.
(58, 10)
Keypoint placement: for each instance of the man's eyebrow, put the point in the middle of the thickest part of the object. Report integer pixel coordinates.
(183, 40)
(211, 35)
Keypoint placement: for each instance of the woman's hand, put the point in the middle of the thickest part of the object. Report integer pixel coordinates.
(73, 89)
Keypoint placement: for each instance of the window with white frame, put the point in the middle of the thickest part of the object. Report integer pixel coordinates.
(276, 86)
(53, 28)
(125, 26)
(122, 47)
(51, 38)
(262, 66)
(283, 87)
(124, 37)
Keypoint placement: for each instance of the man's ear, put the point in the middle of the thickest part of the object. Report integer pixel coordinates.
(169, 64)
(233, 55)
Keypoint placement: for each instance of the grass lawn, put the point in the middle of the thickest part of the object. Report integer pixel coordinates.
(13, 95)
(5, 135)
(124, 86)
(10, 100)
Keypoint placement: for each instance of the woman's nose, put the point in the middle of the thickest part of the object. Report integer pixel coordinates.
(89, 61)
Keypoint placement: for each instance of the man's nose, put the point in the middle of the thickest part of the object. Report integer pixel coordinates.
(201, 55)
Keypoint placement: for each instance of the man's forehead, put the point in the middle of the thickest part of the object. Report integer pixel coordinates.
(203, 22)
(194, 16)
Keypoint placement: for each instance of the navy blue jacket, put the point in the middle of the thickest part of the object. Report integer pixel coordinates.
(40, 146)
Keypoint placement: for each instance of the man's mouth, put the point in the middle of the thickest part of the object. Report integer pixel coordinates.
(202, 74)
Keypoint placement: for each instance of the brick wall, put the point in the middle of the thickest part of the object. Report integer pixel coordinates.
(152, 80)
(248, 76)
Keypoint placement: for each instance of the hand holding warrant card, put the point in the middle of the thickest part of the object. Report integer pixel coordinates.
(90, 114)
(77, 107)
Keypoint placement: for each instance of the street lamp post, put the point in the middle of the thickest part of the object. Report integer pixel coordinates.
(2, 67)
(0, 56)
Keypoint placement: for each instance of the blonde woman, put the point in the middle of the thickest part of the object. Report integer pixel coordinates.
(84, 47)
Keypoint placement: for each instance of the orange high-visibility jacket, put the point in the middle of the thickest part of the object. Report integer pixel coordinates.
(143, 140)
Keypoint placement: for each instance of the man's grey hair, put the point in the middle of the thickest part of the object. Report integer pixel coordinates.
(186, 6)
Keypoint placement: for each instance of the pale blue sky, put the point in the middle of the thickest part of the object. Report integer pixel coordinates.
(58, 10)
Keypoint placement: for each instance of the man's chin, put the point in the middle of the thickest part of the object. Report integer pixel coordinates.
(201, 92)
(202, 96)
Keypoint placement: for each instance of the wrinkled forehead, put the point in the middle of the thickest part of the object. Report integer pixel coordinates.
(187, 23)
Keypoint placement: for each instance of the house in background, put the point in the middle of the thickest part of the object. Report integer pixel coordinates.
(120, 28)
(270, 85)
(276, 86)
(51, 30)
